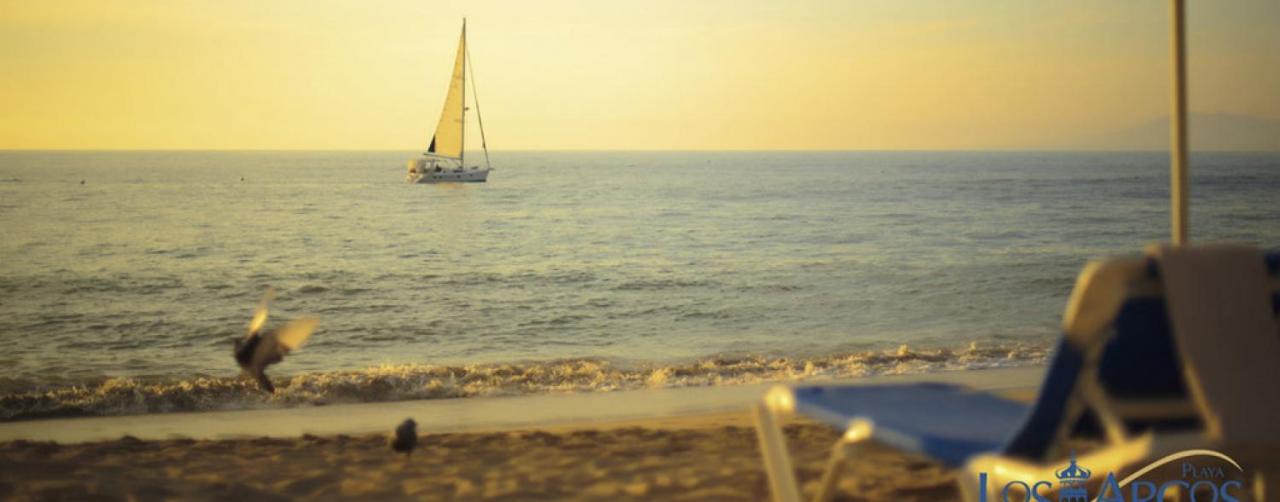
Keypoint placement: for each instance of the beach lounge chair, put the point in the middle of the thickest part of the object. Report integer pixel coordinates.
(1174, 351)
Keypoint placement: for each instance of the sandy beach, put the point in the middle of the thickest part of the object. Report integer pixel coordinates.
(672, 444)
(709, 457)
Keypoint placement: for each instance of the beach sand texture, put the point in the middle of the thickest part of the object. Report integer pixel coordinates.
(672, 444)
(711, 457)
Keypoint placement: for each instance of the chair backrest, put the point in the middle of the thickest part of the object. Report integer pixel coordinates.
(1033, 439)
(1118, 325)
(1224, 322)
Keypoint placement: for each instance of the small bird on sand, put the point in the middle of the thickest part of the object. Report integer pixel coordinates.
(405, 437)
(259, 349)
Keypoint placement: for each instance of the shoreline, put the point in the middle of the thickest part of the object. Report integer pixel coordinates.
(483, 414)
(124, 395)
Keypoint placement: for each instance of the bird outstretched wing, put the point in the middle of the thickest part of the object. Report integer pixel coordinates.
(260, 314)
(295, 333)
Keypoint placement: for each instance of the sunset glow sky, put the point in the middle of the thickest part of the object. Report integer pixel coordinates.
(591, 74)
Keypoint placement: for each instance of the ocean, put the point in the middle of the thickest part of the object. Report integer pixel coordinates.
(125, 276)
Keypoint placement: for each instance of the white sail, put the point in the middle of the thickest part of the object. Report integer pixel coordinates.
(447, 142)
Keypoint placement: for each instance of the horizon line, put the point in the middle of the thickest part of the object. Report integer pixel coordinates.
(625, 150)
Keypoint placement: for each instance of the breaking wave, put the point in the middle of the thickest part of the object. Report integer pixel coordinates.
(125, 396)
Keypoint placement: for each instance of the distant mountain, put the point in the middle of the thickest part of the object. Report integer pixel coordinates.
(1208, 131)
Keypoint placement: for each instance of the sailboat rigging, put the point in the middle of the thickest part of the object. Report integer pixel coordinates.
(445, 158)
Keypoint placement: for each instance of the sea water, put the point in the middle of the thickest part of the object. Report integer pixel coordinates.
(125, 276)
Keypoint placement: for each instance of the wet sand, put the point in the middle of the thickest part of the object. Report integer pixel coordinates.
(480, 414)
(707, 457)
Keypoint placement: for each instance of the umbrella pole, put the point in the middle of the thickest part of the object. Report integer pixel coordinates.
(1178, 126)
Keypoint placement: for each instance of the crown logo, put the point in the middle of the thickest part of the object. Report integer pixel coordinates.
(1074, 472)
(1071, 482)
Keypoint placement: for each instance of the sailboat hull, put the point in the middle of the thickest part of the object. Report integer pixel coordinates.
(450, 176)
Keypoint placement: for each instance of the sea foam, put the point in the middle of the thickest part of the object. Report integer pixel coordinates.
(126, 396)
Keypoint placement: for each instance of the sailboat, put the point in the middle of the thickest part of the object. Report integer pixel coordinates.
(445, 160)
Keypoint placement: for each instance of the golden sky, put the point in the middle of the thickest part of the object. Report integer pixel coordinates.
(602, 74)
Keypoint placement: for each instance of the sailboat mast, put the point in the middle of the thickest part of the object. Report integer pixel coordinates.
(462, 151)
